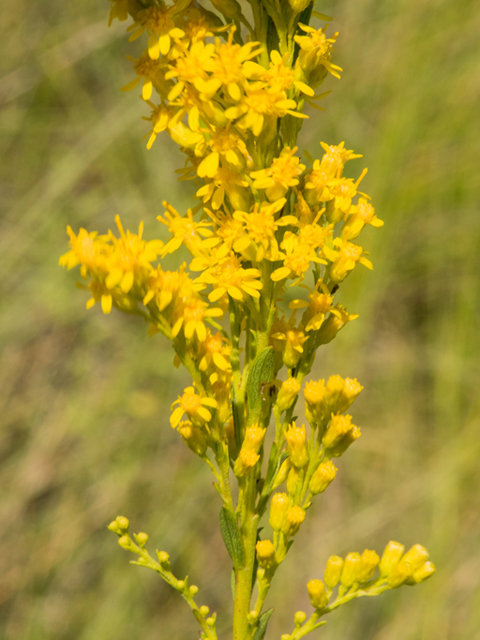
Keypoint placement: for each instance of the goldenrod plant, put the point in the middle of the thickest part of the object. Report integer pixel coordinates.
(271, 238)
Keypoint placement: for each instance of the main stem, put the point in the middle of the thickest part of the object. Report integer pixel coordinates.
(244, 574)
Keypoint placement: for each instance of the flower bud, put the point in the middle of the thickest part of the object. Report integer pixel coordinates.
(390, 557)
(299, 618)
(424, 572)
(282, 473)
(334, 390)
(416, 556)
(368, 564)
(119, 525)
(299, 5)
(265, 553)
(323, 476)
(193, 437)
(204, 610)
(293, 519)
(351, 390)
(278, 510)
(288, 393)
(348, 439)
(317, 594)
(400, 574)
(333, 571)
(254, 436)
(246, 460)
(292, 481)
(350, 568)
(315, 407)
(339, 426)
(296, 438)
(141, 539)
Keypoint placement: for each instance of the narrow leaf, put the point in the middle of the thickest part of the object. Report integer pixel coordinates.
(262, 372)
(262, 625)
(231, 536)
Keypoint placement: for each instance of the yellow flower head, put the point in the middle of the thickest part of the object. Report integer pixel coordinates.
(227, 276)
(185, 231)
(283, 174)
(194, 406)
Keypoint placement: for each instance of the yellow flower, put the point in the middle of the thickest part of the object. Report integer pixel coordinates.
(152, 72)
(226, 66)
(215, 353)
(283, 174)
(298, 256)
(260, 108)
(342, 191)
(227, 276)
(160, 117)
(194, 406)
(119, 10)
(278, 76)
(184, 230)
(337, 319)
(192, 319)
(345, 259)
(159, 23)
(335, 157)
(225, 183)
(320, 303)
(360, 215)
(314, 54)
(260, 227)
(288, 340)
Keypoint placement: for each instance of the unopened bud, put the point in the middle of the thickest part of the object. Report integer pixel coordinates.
(125, 542)
(141, 538)
(164, 559)
(204, 610)
(299, 5)
(292, 481)
(193, 437)
(400, 574)
(317, 593)
(416, 556)
(390, 557)
(351, 390)
(299, 618)
(254, 436)
(350, 568)
(296, 438)
(333, 571)
(265, 553)
(323, 476)
(348, 439)
(293, 519)
(278, 510)
(368, 564)
(193, 589)
(315, 408)
(282, 473)
(246, 460)
(339, 426)
(288, 393)
(424, 572)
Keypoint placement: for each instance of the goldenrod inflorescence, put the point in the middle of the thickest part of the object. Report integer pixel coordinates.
(271, 239)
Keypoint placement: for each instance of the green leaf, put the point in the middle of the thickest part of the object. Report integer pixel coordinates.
(262, 625)
(262, 372)
(231, 537)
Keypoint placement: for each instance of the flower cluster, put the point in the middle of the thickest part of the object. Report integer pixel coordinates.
(271, 239)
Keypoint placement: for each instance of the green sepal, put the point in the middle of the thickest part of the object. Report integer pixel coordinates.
(262, 625)
(231, 537)
(262, 372)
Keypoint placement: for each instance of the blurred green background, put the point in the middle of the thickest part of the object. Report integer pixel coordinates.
(84, 398)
